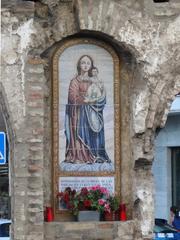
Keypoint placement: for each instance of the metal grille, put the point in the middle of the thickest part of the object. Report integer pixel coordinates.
(4, 170)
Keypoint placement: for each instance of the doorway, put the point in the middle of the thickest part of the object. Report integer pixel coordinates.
(175, 158)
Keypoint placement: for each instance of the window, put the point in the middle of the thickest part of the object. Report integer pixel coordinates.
(176, 176)
(4, 229)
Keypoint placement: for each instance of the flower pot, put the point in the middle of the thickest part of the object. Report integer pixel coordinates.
(85, 216)
(109, 216)
(117, 215)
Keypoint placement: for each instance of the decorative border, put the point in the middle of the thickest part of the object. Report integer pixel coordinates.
(56, 172)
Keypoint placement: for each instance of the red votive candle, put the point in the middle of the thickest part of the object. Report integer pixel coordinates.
(49, 214)
(122, 209)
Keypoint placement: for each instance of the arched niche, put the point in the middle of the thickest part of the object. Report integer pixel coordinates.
(126, 78)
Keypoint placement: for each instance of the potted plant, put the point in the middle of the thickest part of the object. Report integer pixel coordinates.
(88, 203)
(110, 208)
(65, 198)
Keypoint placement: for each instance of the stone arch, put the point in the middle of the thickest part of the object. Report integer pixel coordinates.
(125, 32)
(128, 63)
(145, 196)
(79, 19)
(46, 37)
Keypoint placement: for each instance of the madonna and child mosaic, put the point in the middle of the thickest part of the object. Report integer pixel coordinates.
(86, 109)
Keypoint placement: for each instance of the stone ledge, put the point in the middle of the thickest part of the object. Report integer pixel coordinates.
(90, 230)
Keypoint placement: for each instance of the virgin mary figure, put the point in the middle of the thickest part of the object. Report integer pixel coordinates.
(84, 123)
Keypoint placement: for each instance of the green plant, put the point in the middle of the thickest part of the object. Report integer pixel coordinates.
(92, 198)
(113, 203)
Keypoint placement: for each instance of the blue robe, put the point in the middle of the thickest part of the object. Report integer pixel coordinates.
(84, 126)
(91, 129)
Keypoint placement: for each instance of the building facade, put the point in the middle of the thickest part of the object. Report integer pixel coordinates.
(166, 164)
(144, 37)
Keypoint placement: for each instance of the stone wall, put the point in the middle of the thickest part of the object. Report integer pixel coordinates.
(91, 231)
(146, 37)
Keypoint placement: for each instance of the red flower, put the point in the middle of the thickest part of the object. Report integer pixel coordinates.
(87, 203)
(84, 191)
(69, 206)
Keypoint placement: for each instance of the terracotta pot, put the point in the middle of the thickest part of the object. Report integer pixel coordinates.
(117, 215)
(109, 216)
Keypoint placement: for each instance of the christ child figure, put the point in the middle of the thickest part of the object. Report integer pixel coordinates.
(96, 89)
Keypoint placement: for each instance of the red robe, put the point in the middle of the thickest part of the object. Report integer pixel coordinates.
(76, 150)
